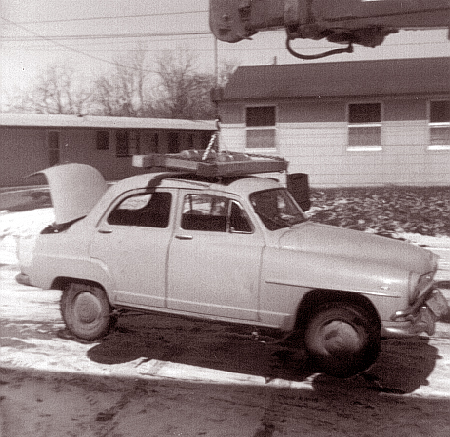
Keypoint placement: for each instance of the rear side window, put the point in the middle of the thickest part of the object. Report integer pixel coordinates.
(143, 210)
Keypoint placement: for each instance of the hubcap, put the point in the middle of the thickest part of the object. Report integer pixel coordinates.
(87, 307)
(338, 336)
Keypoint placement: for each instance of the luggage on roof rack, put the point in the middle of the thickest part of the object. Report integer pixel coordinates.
(213, 164)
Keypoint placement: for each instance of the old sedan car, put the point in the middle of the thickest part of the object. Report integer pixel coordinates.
(237, 249)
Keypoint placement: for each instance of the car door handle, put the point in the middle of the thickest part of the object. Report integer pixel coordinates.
(184, 237)
(105, 231)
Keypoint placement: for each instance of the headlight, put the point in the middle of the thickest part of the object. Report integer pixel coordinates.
(434, 261)
(413, 287)
(419, 285)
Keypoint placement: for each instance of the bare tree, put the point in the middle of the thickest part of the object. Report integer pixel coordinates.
(178, 89)
(122, 92)
(59, 90)
(182, 91)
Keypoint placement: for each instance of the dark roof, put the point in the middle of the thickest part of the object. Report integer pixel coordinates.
(103, 122)
(338, 79)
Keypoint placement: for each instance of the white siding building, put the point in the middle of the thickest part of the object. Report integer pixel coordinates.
(346, 123)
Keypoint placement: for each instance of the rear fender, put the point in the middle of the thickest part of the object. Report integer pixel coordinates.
(49, 269)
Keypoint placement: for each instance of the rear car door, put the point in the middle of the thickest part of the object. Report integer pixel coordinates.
(132, 242)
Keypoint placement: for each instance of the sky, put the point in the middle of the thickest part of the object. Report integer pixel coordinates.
(90, 34)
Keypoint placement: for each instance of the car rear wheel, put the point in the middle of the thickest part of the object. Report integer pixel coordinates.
(86, 311)
(343, 339)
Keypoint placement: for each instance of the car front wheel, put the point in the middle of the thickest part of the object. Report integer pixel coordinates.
(343, 339)
(86, 311)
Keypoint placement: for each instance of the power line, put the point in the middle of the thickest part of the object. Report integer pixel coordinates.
(112, 17)
(117, 44)
(223, 48)
(99, 36)
(74, 50)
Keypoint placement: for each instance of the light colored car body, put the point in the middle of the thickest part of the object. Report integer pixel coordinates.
(253, 276)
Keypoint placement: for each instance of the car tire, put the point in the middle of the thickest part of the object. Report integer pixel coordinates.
(343, 339)
(86, 311)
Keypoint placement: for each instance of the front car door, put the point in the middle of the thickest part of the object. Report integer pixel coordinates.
(215, 258)
(132, 242)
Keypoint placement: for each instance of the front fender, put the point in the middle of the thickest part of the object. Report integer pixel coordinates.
(321, 271)
(288, 275)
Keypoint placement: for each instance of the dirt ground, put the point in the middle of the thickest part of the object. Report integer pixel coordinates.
(166, 376)
(86, 405)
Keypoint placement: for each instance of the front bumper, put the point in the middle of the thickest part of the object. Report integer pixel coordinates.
(418, 318)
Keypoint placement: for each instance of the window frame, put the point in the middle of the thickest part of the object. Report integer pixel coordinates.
(261, 128)
(437, 125)
(362, 147)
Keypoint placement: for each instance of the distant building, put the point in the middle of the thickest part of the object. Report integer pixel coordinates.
(33, 142)
(346, 123)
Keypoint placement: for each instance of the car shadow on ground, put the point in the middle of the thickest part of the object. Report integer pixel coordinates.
(403, 365)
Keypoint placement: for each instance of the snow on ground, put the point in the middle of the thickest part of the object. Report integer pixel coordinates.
(441, 241)
(25, 223)
(21, 225)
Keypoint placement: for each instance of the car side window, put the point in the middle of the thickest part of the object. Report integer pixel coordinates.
(143, 210)
(239, 221)
(204, 212)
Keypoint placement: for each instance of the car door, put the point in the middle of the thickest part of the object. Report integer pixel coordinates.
(132, 242)
(214, 258)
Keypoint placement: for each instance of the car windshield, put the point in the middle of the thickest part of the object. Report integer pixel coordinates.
(277, 209)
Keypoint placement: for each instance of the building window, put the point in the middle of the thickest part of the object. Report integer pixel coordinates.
(121, 143)
(260, 124)
(133, 142)
(364, 127)
(189, 141)
(53, 147)
(154, 142)
(127, 142)
(439, 124)
(102, 140)
(174, 142)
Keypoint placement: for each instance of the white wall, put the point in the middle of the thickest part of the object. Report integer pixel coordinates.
(312, 136)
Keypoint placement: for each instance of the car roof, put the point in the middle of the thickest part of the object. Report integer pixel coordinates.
(244, 185)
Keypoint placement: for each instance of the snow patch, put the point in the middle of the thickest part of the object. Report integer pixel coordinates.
(442, 241)
(24, 226)
(25, 223)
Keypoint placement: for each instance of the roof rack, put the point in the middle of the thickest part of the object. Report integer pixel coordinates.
(209, 163)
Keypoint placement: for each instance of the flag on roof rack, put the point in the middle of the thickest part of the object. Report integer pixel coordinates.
(213, 164)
